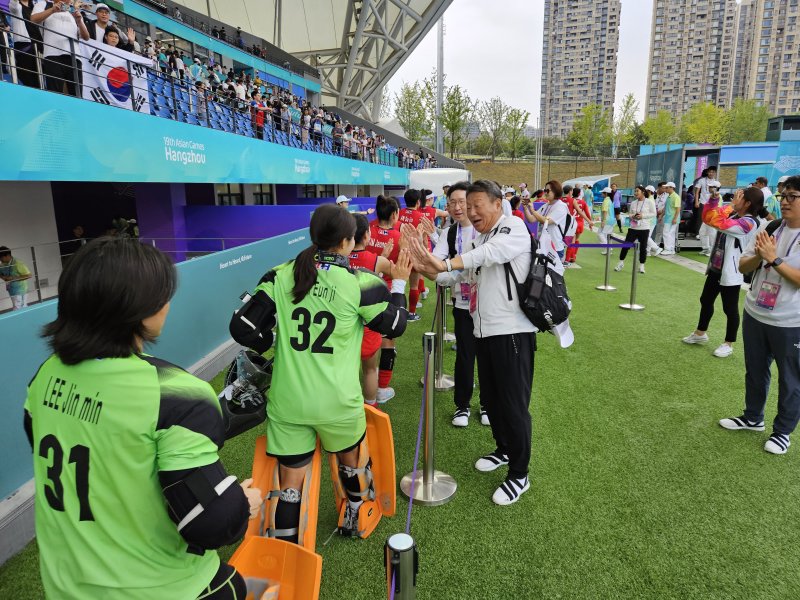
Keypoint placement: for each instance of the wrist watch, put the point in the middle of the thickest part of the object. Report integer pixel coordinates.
(776, 263)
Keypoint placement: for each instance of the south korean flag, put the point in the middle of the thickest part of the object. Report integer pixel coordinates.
(114, 77)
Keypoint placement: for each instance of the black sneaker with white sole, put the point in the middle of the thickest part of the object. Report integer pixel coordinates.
(510, 490)
(491, 461)
(736, 423)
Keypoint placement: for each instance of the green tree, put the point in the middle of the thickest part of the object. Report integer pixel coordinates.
(746, 121)
(483, 145)
(516, 122)
(409, 110)
(591, 131)
(703, 123)
(552, 146)
(457, 112)
(660, 129)
(493, 115)
(624, 124)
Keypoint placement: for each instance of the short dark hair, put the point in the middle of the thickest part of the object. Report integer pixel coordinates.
(792, 183)
(661, 183)
(4, 251)
(576, 192)
(457, 186)
(385, 207)
(411, 197)
(104, 293)
(555, 187)
(485, 186)
(762, 179)
(711, 168)
(515, 200)
(362, 225)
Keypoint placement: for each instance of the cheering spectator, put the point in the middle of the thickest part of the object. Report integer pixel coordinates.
(641, 211)
(62, 24)
(771, 324)
(26, 37)
(97, 28)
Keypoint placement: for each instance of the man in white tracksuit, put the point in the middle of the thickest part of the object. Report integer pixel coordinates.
(505, 338)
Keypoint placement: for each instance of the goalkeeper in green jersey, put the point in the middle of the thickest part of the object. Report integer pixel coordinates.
(131, 497)
(320, 307)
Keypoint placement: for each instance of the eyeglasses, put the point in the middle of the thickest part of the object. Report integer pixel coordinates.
(547, 190)
(457, 202)
(790, 197)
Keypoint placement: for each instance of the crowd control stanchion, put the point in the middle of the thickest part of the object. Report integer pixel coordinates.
(448, 336)
(443, 381)
(431, 487)
(606, 287)
(632, 304)
(402, 565)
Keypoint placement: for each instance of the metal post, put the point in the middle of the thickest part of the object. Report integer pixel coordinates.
(431, 487)
(402, 565)
(36, 273)
(632, 304)
(448, 336)
(443, 381)
(439, 86)
(606, 287)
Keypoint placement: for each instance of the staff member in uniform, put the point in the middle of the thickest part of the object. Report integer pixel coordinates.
(122, 441)
(505, 338)
(451, 243)
(771, 324)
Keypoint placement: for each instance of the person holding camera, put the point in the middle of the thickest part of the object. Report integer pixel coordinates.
(641, 210)
(62, 26)
(505, 340)
(771, 324)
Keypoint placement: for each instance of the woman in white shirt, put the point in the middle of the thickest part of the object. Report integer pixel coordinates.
(641, 210)
(552, 216)
(771, 324)
(62, 24)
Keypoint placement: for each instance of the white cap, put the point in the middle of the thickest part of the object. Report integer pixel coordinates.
(671, 184)
(429, 196)
(101, 6)
(446, 184)
(783, 179)
(607, 190)
(650, 189)
(342, 199)
(714, 183)
(523, 185)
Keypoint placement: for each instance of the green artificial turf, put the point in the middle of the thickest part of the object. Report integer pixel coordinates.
(636, 492)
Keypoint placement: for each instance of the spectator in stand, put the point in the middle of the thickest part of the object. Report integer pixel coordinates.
(111, 36)
(62, 23)
(177, 68)
(607, 218)
(258, 109)
(97, 28)
(641, 210)
(616, 199)
(736, 225)
(672, 215)
(215, 32)
(177, 14)
(552, 216)
(16, 275)
(26, 36)
(338, 135)
(771, 324)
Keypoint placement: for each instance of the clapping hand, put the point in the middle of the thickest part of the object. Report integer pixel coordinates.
(387, 249)
(402, 268)
(766, 247)
(426, 226)
(131, 35)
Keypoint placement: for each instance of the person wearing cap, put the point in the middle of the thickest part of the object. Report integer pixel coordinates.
(641, 209)
(653, 248)
(524, 194)
(672, 214)
(345, 202)
(97, 28)
(701, 195)
(508, 193)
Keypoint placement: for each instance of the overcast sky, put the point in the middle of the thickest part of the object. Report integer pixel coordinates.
(494, 47)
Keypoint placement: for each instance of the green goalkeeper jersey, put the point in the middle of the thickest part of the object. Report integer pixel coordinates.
(315, 376)
(102, 430)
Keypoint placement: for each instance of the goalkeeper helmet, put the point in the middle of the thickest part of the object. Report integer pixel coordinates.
(244, 398)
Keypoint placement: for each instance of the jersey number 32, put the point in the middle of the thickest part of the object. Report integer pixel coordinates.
(303, 339)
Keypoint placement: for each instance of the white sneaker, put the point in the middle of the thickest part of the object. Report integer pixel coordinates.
(385, 394)
(777, 443)
(510, 491)
(491, 461)
(696, 339)
(658, 251)
(737, 423)
(723, 351)
(484, 418)
(667, 253)
(619, 266)
(424, 294)
(419, 302)
(461, 418)
(603, 252)
(641, 269)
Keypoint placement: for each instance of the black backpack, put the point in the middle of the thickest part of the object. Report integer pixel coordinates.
(543, 295)
(771, 228)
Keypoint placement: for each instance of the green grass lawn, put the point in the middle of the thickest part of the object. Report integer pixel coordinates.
(636, 491)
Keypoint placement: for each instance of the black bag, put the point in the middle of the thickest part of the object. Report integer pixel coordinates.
(543, 295)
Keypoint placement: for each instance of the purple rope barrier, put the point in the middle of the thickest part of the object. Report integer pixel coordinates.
(599, 245)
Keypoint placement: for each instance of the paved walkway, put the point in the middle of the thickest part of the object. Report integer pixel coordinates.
(693, 265)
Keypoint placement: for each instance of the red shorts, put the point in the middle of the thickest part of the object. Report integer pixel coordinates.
(579, 229)
(370, 344)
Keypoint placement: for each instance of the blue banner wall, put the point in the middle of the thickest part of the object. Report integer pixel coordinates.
(59, 138)
(208, 291)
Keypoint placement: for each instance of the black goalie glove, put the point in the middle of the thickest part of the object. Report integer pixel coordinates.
(244, 398)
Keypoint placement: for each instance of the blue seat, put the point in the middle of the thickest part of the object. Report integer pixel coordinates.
(162, 111)
(192, 119)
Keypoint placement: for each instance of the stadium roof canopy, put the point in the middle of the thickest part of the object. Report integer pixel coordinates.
(357, 45)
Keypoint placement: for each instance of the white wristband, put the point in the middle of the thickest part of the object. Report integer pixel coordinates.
(448, 264)
(398, 286)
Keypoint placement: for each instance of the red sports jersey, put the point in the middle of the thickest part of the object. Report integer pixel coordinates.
(428, 211)
(364, 259)
(379, 237)
(518, 213)
(371, 342)
(410, 216)
(578, 202)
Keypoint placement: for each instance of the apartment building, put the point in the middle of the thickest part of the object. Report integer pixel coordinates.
(579, 60)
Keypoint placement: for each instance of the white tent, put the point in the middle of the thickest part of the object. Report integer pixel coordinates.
(434, 179)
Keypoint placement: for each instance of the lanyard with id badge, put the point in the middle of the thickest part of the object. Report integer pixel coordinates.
(768, 293)
(468, 289)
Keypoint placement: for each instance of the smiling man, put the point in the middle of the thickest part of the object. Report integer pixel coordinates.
(505, 340)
